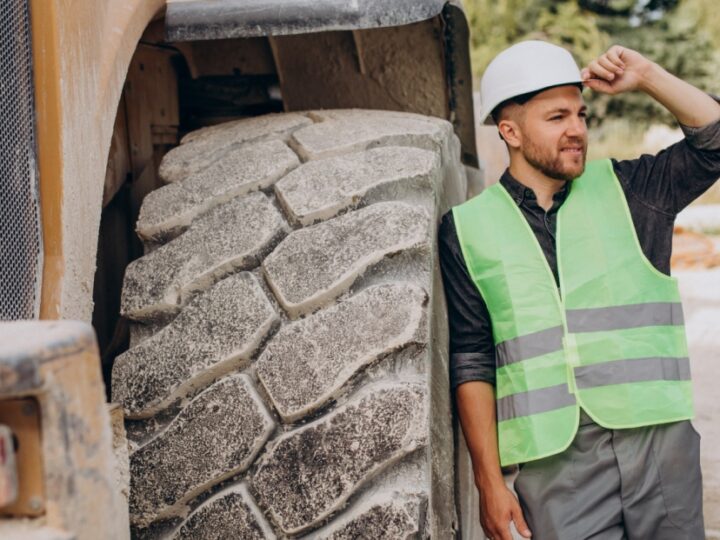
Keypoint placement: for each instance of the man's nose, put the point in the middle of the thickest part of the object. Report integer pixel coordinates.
(577, 127)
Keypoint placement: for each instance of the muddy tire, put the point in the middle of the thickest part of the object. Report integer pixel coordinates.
(287, 373)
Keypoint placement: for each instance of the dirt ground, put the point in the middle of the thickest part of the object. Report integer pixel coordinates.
(700, 290)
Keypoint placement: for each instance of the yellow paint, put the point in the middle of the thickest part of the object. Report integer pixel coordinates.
(46, 64)
(82, 50)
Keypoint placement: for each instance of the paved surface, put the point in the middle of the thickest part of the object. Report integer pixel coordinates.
(701, 299)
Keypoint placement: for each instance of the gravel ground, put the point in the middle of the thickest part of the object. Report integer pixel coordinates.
(701, 299)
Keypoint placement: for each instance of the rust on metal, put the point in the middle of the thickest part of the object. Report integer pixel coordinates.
(8, 468)
(22, 417)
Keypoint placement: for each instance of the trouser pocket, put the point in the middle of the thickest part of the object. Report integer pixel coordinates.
(676, 450)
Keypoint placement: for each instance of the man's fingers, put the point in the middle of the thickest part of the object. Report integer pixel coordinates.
(613, 55)
(499, 529)
(599, 86)
(520, 523)
(503, 533)
(599, 71)
(608, 64)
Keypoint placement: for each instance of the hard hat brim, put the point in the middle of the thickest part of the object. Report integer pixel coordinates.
(485, 117)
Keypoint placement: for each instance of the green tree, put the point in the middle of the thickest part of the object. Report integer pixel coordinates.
(675, 39)
(495, 25)
(681, 35)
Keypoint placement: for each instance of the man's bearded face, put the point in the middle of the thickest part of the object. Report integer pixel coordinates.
(564, 160)
(554, 133)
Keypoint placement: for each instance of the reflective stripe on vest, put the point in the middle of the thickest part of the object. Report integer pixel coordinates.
(612, 341)
(631, 316)
(534, 402)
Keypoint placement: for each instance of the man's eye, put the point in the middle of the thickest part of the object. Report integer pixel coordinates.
(555, 118)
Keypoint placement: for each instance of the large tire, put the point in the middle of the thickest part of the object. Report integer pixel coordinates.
(287, 371)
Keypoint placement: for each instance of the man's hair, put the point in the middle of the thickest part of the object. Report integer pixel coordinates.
(522, 99)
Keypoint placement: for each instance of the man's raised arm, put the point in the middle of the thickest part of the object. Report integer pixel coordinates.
(622, 70)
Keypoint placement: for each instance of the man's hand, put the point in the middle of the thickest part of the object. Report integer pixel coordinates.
(618, 70)
(498, 507)
(621, 70)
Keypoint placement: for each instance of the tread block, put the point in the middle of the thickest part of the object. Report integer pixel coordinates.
(169, 210)
(310, 473)
(228, 514)
(248, 129)
(201, 148)
(391, 516)
(318, 190)
(139, 332)
(346, 131)
(312, 266)
(217, 435)
(234, 236)
(216, 332)
(308, 361)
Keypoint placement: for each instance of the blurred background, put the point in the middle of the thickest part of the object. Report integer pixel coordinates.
(684, 37)
(681, 35)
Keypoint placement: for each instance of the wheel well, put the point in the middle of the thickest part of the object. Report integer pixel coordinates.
(174, 88)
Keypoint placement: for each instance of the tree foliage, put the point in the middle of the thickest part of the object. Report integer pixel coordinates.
(496, 25)
(681, 35)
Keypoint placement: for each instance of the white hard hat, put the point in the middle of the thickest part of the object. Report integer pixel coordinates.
(525, 67)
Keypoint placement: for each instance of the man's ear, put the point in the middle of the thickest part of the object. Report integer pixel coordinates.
(510, 132)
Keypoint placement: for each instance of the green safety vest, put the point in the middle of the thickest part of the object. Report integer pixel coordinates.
(611, 341)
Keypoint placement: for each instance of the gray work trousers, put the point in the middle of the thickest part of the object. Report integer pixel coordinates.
(635, 484)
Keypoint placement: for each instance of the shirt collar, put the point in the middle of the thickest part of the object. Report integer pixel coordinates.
(520, 192)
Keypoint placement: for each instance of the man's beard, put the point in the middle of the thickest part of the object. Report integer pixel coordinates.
(552, 166)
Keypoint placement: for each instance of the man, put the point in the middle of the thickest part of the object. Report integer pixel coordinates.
(568, 352)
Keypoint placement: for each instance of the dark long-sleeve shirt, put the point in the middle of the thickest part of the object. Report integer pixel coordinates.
(656, 188)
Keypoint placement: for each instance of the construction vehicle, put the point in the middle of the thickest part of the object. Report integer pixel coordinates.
(241, 196)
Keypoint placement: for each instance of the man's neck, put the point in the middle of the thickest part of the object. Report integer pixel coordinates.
(543, 186)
